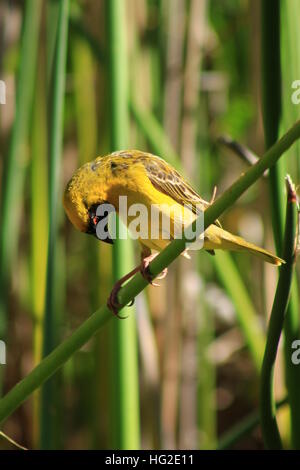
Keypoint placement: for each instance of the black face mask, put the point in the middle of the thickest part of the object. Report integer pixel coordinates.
(94, 220)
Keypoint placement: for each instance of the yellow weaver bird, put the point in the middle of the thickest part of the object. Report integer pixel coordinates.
(145, 179)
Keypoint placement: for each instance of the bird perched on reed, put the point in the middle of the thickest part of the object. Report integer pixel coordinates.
(145, 179)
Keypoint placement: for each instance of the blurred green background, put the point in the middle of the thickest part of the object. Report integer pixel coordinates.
(84, 78)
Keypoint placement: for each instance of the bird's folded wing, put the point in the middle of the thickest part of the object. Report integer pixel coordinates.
(168, 181)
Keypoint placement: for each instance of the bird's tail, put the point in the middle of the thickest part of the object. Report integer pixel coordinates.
(234, 243)
(243, 245)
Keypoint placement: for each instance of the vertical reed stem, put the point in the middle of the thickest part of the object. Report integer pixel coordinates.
(269, 426)
(57, 90)
(271, 84)
(125, 367)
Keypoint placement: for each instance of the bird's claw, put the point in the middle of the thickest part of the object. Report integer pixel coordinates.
(113, 303)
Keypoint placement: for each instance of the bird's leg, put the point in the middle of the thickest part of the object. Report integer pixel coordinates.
(143, 268)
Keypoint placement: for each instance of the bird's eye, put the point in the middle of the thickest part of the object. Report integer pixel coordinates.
(94, 220)
(113, 165)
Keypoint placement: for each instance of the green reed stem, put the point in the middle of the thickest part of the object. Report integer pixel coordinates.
(269, 426)
(57, 90)
(271, 107)
(272, 36)
(124, 385)
(290, 59)
(39, 231)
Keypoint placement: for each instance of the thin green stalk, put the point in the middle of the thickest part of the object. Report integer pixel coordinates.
(52, 17)
(271, 106)
(39, 231)
(125, 395)
(18, 394)
(39, 205)
(274, 38)
(290, 71)
(57, 84)
(269, 426)
(290, 53)
(85, 99)
(13, 178)
(292, 376)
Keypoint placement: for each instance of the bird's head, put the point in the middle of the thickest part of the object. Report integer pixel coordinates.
(84, 195)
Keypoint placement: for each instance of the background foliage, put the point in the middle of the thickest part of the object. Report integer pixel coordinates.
(84, 78)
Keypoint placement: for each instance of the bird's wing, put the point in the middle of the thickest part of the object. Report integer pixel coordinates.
(168, 181)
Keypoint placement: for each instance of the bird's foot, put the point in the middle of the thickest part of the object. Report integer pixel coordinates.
(144, 269)
(112, 302)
